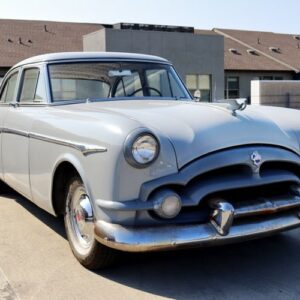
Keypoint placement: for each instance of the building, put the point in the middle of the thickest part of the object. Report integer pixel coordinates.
(20, 39)
(196, 54)
(216, 64)
(255, 55)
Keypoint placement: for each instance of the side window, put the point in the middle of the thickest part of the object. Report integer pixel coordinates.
(40, 92)
(128, 85)
(33, 88)
(9, 89)
(177, 92)
(158, 80)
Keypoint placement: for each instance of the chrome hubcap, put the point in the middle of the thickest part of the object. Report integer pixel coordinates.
(84, 215)
(81, 218)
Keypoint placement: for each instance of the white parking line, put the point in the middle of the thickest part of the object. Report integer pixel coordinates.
(6, 290)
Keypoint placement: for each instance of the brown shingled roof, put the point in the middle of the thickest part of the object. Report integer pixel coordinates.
(287, 58)
(247, 61)
(21, 39)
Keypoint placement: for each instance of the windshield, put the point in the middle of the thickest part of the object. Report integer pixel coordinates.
(107, 80)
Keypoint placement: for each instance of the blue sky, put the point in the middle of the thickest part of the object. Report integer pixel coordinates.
(267, 15)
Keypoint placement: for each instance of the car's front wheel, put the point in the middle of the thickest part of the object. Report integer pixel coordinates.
(79, 225)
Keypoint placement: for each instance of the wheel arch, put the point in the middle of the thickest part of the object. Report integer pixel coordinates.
(64, 169)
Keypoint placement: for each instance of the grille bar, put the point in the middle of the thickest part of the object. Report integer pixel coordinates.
(264, 206)
(200, 189)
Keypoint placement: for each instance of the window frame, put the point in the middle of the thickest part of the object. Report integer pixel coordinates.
(4, 82)
(43, 72)
(227, 85)
(62, 102)
(21, 83)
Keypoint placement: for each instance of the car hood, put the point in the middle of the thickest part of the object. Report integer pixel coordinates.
(196, 129)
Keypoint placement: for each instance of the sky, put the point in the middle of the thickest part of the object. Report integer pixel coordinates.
(266, 15)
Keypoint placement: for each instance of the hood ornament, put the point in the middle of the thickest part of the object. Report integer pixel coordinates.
(256, 159)
(235, 104)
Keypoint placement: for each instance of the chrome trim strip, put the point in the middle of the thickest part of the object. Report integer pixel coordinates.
(33, 104)
(144, 239)
(15, 132)
(105, 60)
(241, 209)
(85, 149)
(131, 205)
(265, 206)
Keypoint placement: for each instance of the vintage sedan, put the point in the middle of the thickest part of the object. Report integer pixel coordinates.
(115, 144)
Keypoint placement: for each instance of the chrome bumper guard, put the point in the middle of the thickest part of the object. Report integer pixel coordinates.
(143, 239)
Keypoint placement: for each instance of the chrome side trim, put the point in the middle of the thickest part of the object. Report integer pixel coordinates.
(131, 205)
(85, 149)
(144, 239)
(15, 132)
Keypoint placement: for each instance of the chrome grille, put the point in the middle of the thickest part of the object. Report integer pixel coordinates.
(231, 176)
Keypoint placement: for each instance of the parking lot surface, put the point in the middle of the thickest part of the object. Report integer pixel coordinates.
(36, 263)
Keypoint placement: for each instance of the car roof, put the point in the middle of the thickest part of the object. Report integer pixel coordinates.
(65, 56)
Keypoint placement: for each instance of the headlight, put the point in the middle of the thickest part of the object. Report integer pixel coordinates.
(141, 149)
(144, 149)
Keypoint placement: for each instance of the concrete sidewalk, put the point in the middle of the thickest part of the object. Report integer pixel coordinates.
(37, 264)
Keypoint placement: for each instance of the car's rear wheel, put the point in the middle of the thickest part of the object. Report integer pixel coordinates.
(79, 224)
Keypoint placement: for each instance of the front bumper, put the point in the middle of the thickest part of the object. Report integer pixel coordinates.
(239, 201)
(144, 239)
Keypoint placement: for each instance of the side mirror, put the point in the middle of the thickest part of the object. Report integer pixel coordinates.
(197, 95)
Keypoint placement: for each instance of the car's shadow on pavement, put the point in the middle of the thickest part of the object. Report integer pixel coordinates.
(265, 268)
(56, 224)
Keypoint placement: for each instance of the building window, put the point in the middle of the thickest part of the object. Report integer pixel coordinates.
(201, 84)
(265, 77)
(270, 77)
(232, 87)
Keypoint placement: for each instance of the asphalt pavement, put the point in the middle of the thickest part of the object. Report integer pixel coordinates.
(36, 263)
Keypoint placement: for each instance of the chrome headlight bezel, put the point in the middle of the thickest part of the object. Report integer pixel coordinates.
(128, 148)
